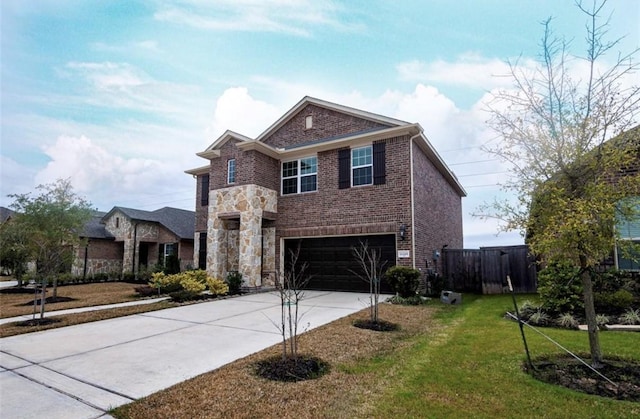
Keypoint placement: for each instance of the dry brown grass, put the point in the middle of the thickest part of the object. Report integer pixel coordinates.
(83, 295)
(12, 329)
(233, 391)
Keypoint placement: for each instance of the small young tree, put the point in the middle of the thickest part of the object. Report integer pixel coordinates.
(52, 222)
(290, 287)
(371, 271)
(554, 128)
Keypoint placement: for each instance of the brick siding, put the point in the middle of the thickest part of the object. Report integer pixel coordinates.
(327, 123)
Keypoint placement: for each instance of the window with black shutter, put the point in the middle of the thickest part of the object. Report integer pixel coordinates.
(344, 169)
(379, 165)
(202, 252)
(204, 190)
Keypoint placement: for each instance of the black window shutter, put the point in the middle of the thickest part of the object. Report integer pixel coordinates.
(344, 168)
(204, 190)
(379, 165)
(202, 253)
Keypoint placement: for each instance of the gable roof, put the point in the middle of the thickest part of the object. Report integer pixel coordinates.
(5, 214)
(180, 222)
(308, 100)
(95, 229)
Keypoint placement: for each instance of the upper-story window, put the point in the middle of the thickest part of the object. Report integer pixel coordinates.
(300, 176)
(204, 190)
(231, 171)
(362, 166)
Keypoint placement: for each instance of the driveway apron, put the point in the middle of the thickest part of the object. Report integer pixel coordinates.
(83, 371)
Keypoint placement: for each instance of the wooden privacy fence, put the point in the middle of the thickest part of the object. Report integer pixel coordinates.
(485, 270)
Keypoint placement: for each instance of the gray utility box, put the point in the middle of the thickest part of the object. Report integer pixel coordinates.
(450, 297)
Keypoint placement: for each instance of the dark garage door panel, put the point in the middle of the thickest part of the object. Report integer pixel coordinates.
(331, 260)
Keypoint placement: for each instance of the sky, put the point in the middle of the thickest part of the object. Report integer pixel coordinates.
(119, 96)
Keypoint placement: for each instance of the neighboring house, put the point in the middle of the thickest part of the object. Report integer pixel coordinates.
(126, 240)
(324, 177)
(5, 214)
(630, 229)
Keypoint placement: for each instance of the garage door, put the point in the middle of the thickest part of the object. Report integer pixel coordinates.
(331, 260)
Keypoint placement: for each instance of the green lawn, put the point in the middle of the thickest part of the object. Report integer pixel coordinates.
(472, 368)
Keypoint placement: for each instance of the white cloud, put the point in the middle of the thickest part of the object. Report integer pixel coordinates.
(295, 17)
(236, 110)
(108, 179)
(469, 70)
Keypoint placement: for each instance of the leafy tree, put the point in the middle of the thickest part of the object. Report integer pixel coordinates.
(569, 180)
(14, 249)
(52, 222)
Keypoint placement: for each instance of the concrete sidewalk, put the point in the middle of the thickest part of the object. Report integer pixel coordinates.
(83, 309)
(82, 371)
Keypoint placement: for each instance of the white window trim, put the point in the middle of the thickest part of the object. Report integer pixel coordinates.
(229, 181)
(361, 166)
(298, 176)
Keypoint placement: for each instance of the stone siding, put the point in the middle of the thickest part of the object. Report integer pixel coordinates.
(241, 206)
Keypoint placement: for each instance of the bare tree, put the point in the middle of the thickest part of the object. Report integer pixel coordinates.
(371, 271)
(290, 287)
(554, 127)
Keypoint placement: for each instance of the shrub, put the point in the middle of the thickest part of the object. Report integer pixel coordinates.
(539, 318)
(613, 303)
(568, 321)
(217, 286)
(171, 265)
(602, 320)
(145, 291)
(192, 285)
(234, 281)
(631, 316)
(166, 283)
(183, 295)
(414, 300)
(560, 288)
(403, 280)
(527, 309)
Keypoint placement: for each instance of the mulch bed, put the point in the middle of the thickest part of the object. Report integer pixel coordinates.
(291, 369)
(378, 326)
(568, 372)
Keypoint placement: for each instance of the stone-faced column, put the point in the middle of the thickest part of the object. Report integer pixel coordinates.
(216, 246)
(250, 257)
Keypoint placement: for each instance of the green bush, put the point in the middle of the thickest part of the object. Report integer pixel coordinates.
(166, 283)
(630, 317)
(602, 321)
(568, 321)
(414, 300)
(560, 289)
(612, 303)
(539, 318)
(234, 281)
(217, 286)
(403, 280)
(184, 295)
(191, 284)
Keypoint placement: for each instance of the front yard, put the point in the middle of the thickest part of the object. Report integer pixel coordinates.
(446, 361)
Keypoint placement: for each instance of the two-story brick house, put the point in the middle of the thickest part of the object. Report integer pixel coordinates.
(323, 177)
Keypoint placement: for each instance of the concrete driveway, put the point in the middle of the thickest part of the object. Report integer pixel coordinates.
(82, 371)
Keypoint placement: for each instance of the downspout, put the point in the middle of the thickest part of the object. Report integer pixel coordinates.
(133, 257)
(86, 256)
(413, 212)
